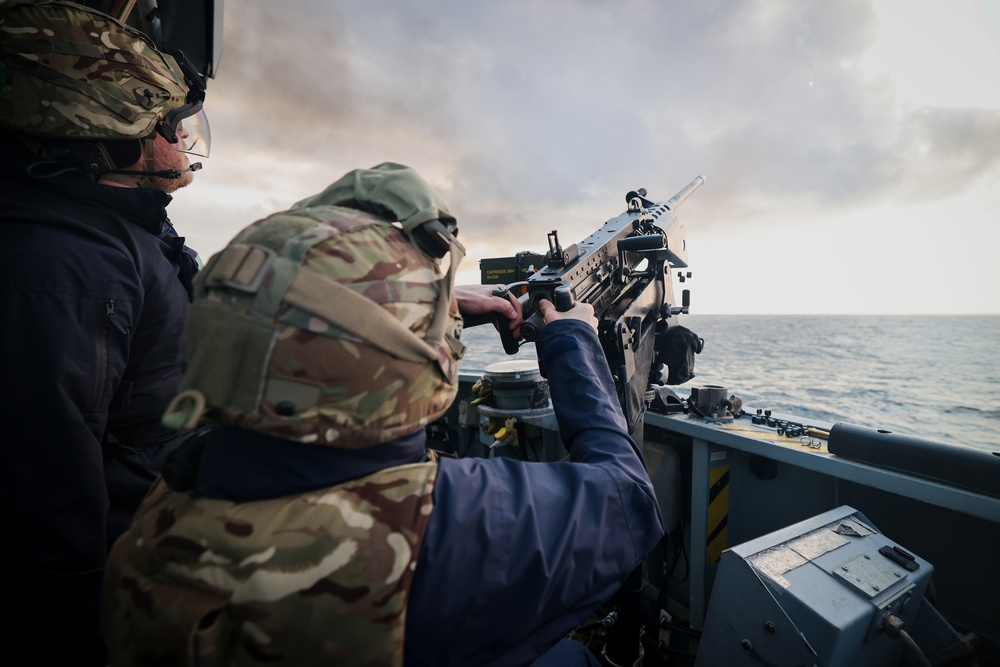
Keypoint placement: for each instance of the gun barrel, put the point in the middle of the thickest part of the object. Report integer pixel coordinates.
(679, 198)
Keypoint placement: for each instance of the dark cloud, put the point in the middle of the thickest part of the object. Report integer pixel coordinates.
(533, 114)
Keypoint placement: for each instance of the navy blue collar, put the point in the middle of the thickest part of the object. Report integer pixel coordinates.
(243, 466)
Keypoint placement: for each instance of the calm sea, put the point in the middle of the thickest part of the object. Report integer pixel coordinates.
(937, 377)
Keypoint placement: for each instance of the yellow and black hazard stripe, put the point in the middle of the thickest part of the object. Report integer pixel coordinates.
(718, 513)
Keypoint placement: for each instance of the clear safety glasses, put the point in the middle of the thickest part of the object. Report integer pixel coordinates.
(194, 136)
(187, 128)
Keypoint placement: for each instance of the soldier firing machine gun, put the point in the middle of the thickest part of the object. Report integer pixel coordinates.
(623, 271)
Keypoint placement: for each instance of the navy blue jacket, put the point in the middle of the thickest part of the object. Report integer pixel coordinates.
(516, 554)
(93, 309)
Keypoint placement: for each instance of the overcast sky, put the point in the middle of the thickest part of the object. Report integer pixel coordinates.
(851, 148)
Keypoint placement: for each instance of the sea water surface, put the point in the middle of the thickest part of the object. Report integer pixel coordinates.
(937, 377)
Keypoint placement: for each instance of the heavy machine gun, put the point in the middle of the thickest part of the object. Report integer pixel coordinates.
(623, 270)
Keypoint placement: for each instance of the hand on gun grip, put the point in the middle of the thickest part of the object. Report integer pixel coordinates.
(479, 304)
(579, 311)
(510, 330)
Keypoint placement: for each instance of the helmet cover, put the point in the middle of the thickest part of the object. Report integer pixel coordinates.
(68, 71)
(323, 324)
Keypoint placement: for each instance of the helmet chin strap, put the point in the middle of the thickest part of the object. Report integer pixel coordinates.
(145, 180)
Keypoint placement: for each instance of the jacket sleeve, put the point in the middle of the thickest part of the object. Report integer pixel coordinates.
(516, 554)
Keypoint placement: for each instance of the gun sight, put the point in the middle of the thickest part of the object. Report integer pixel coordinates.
(557, 257)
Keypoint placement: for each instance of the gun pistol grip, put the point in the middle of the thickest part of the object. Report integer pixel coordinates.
(510, 344)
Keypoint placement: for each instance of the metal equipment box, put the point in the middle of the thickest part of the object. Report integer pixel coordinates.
(813, 593)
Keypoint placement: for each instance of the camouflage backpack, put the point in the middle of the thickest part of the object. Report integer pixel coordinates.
(317, 578)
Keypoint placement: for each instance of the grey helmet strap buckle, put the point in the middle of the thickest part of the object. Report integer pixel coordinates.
(433, 238)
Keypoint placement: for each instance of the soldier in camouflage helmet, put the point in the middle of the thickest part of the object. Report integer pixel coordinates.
(95, 291)
(94, 97)
(310, 525)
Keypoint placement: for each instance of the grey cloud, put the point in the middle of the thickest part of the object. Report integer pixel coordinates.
(552, 110)
(946, 149)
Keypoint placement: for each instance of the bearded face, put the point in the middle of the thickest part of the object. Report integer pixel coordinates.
(165, 156)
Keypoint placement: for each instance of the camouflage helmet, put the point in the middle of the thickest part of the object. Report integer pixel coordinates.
(68, 71)
(326, 323)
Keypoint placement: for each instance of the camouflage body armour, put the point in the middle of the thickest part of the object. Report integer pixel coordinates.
(317, 578)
